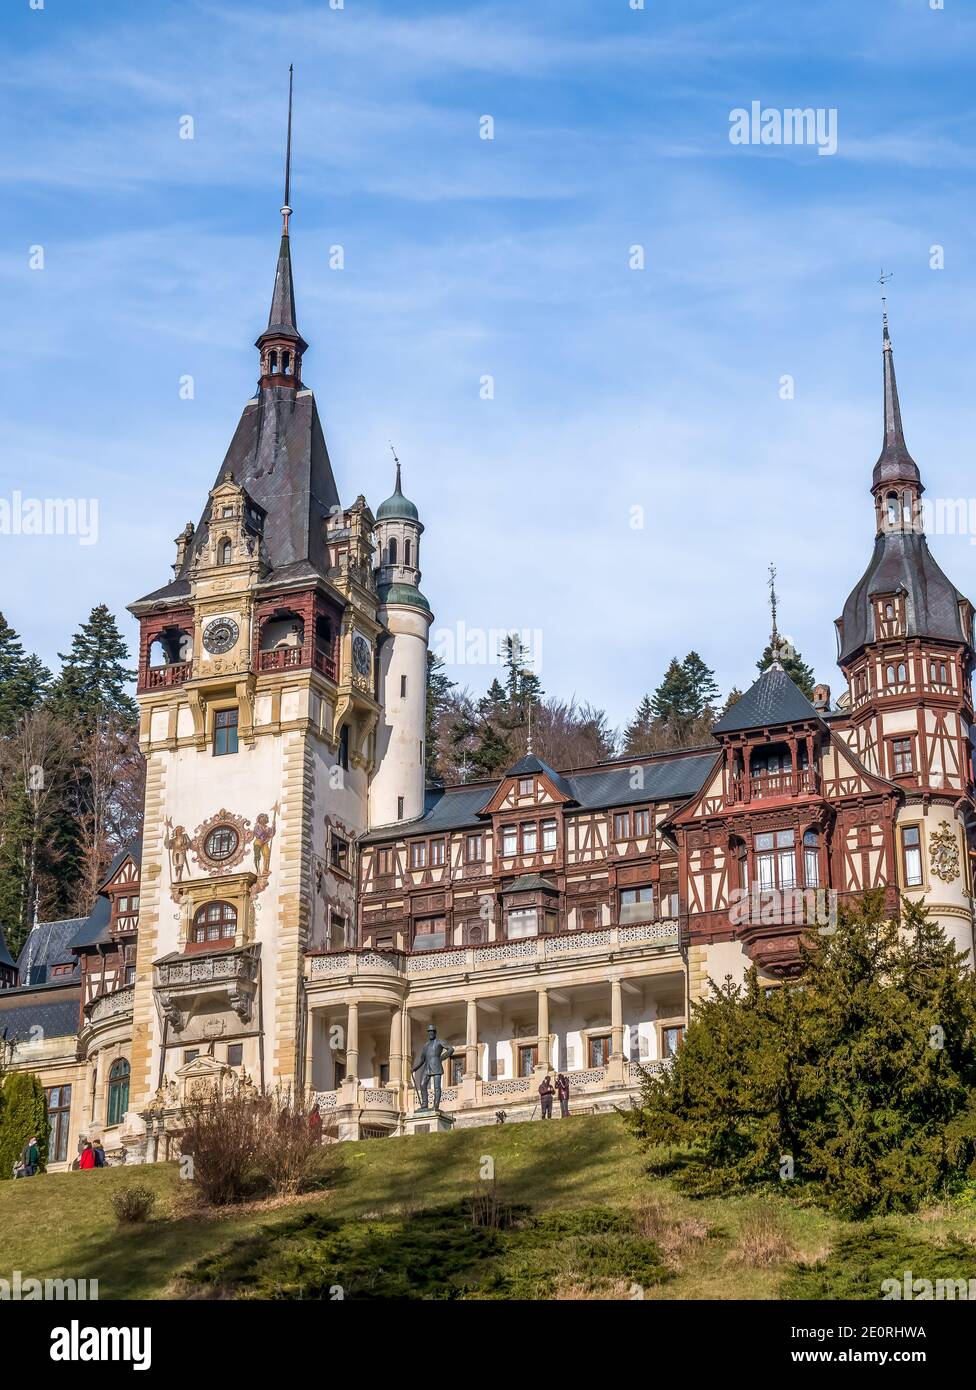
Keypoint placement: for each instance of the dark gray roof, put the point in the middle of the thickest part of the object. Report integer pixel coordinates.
(895, 464)
(530, 763)
(773, 699)
(5, 957)
(55, 1011)
(901, 562)
(95, 928)
(48, 944)
(530, 883)
(278, 455)
(614, 784)
(282, 318)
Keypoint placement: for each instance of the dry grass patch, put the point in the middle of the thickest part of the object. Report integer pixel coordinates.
(616, 1291)
(677, 1237)
(762, 1243)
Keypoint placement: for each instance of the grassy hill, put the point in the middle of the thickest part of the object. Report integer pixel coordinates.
(578, 1218)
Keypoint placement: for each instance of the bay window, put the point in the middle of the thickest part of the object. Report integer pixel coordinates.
(775, 860)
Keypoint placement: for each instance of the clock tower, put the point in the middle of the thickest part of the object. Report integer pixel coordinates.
(258, 690)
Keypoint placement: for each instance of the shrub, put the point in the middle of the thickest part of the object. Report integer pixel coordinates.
(133, 1205)
(24, 1114)
(857, 1082)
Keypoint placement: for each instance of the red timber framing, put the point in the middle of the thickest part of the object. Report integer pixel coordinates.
(321, 625)
(166, 626)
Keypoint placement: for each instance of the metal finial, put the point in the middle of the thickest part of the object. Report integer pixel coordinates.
(774, 633)
(397, 462)
(528, 743)
(286, 209)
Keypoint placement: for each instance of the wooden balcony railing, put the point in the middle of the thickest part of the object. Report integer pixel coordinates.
(766, 785)
(157, 677)
(280, 658)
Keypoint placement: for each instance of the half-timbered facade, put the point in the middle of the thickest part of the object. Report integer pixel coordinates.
(301, 907)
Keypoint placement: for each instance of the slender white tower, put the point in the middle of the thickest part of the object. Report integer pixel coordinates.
(396, 791)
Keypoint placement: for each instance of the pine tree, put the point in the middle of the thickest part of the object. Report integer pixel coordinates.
(23, 679)
(792, 663)
(438, 692)
(523, 687)
(673, 700)
(95, 673)
(638, 733)
(733, 698)
(24, 1117)
(703, 691)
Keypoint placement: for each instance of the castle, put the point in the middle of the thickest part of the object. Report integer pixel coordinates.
(301, 906)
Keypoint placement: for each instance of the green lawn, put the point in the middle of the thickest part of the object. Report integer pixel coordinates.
(587, 1222)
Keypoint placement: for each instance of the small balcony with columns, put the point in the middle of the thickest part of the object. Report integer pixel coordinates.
(600, 1014)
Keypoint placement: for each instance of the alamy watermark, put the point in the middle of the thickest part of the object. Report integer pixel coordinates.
(21, 1289)
(50, 516)
(808, 125)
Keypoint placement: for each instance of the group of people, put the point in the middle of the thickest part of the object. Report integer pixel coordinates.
(92, 1155)
(561, 1090)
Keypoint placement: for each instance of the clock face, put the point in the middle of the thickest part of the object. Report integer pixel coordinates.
(220, 635)
(360, 654)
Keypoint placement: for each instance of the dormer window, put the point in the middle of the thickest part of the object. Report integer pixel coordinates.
(225, 552)
(889, 610)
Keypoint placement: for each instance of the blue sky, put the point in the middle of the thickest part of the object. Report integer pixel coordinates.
(614, 388)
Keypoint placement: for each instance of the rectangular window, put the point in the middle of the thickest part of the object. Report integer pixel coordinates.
(642, 823)
(528, 1058)
(522, 922)
(437, 853)
(599, 1050)
(191, 1055)
(235, 1054)
(456, 1072)
(671, 1039)
(58, 1114)
(911, 844)
(621, 825)
(811, 860)
(901, 755)
(786, 858)
(130, 974)
(384, 862)
(636, 904)
(418, 854)
(399, 808)
(474, 849)
(526, 786)
(429, 933)
(548, 834)
(403, 687)
(530, 838)
(339, 853)
(225, 732)
(509, 839)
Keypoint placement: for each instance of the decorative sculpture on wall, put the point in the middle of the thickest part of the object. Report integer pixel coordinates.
(944, 853)
(264, 833)
(177, 843)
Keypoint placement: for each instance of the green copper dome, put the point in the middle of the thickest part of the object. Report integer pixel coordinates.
(402, 593)
(397, 507)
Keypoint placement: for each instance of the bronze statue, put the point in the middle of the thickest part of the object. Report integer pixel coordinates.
(430, 1065)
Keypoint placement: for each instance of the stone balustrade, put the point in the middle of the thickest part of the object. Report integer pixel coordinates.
(120, 1001)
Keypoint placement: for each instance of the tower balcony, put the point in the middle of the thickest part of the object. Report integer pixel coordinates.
(164, 677)
(770, 786)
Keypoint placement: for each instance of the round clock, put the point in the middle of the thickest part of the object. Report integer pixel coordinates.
(360, 654)
(220, 635)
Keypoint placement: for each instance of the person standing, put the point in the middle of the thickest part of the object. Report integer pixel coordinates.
(315, 1123)
(30, 1158)
(562, 1091)
(99, 1151)
(546, 1094)
(87, 1158)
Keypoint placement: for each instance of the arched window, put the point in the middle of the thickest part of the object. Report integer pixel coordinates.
(890, 675)
(224, 553)
(286, 363)
(902, 671)
(273, 362)
(406, 553)
(215, 922)
(906, 508)
(392, 550)
(118, 1091)
(889, 609)
(892, 508)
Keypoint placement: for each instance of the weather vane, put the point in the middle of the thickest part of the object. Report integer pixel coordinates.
(882, 280)
(774, 634)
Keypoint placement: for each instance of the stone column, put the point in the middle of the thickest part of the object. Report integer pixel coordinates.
(396, 1048)
(309, 1048)
(471, 1042)
(616, 1020)
(352, 1044)
(542, 1029)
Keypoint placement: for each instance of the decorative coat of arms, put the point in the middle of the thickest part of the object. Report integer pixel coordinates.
(944, 853)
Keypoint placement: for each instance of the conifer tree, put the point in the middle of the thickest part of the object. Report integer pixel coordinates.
(638, 733)
(24, 1117)
(673, 700)
(23, 679)
(438, 693)
(792, 663)
(95, 673)
(703, 691)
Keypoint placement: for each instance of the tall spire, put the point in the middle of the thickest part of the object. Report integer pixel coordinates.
(281, 344)
(774, 644)
(895, 464)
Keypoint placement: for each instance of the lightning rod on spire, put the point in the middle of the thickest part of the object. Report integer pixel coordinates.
(286, 209)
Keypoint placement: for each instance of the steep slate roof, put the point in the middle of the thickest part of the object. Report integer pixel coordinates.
(455, 808)
(773, 699)
(95, 927)
(54, 1010)
(895, 464)
(530, 763)
(48, 944)
(902, 562)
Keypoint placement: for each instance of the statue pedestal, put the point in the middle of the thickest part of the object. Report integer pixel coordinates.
(428, 1122)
